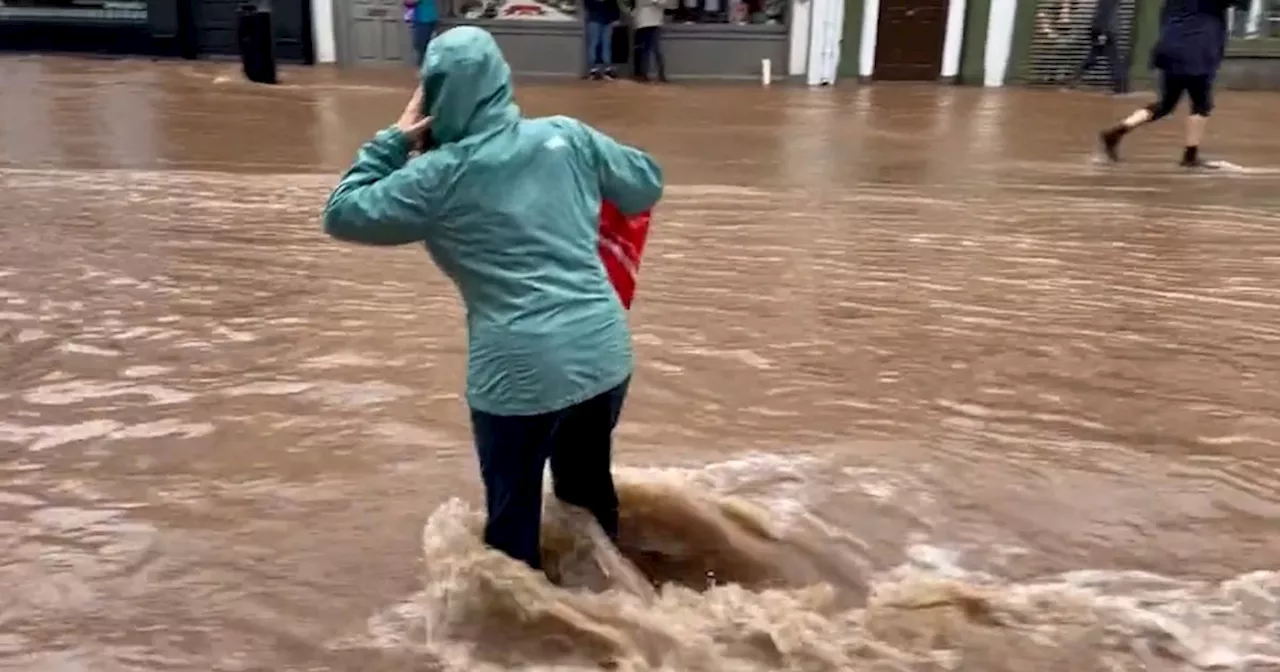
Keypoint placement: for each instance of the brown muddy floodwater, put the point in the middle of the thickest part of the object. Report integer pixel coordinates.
(920, 388)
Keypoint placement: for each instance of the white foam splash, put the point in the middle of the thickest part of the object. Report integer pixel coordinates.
(930, 613)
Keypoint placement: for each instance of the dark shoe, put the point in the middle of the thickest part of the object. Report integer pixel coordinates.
(610, 75)
(594, 75)
(1111, 143)
(1199, 164)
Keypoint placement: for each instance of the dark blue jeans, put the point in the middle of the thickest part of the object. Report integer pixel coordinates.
(513, 450)
(422, 34)
(599, 46)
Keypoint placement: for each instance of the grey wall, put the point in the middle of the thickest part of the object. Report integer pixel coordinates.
(1250, 73)
(724, 52)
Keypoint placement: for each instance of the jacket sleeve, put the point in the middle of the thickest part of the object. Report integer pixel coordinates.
(385, 199)
(629, 177)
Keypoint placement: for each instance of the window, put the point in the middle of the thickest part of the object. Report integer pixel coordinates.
(1260, 20)
(737, 12)
(515, 10)
(78, 11)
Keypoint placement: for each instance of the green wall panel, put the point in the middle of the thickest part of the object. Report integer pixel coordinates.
(973, 51)
(851, 40)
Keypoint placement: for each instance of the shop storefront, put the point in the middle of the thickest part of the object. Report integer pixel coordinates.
(1051, 40)
(710, 39)
(120, 26)
(185, 28)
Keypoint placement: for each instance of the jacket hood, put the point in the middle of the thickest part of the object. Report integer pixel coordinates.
(466, 84)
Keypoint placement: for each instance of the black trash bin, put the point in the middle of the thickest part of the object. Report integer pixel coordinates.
(621, 55)
(257, 43)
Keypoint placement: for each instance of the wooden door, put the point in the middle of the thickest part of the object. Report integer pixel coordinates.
(909, 40)
(375, 34)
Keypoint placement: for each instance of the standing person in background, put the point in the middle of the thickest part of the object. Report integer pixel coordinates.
(509, 209)
(422, 16)
(1193, 40)
(602, 15)
(1102, 44)
(648, 17)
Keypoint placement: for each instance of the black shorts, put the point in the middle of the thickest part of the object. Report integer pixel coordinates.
(1199, 88)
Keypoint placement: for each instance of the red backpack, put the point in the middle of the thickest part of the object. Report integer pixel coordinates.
(621, 245)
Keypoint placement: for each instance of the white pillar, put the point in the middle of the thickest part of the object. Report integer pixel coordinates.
(1254, 27)
(322, 30)
(801, 13)
(870, 27)
(955, 38)
(995, 59)
(824, 43)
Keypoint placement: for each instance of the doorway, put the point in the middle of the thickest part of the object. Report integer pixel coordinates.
(910, 36)
(373, 32)
(213, 23)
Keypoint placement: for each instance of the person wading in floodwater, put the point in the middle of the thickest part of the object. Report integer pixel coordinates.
(1193, 40)
(509, 209)
(1102, 44)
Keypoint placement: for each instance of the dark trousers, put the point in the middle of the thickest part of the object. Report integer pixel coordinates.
(1199, 88)
(599, 46)
(649, 47)
(513, 450)
(1103, 45)
(422, 34)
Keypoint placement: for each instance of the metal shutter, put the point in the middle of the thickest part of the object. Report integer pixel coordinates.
(1060, 42)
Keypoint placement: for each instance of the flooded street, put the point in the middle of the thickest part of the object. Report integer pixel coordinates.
(1019, 411)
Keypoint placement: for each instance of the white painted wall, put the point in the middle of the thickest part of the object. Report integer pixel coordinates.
(955, 38)
(801, 13)
(322, 30)
(867, 52)
(824, 45)
(995, 60)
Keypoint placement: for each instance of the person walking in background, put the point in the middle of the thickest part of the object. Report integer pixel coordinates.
(648, 17)
(1188, 53)
(509, 208)
(422, 16)
(1102, 44)
(602, 15)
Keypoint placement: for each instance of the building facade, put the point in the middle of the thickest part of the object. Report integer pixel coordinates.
(818, 41)
(821, 42)
(187, 28)
(1047, 39)
(720, 39)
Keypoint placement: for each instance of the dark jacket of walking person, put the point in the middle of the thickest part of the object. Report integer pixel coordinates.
(508, 208)
(1193, 37)
(601, 17)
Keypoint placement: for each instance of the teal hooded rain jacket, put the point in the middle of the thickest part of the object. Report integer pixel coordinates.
(508, 208)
